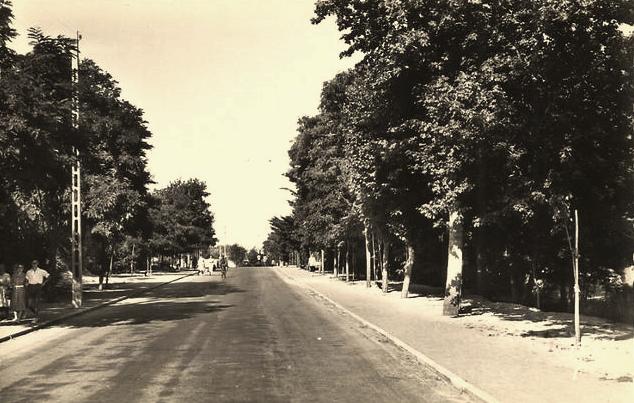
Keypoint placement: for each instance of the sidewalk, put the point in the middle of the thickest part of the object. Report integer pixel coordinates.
(121, 286)
(512, 352)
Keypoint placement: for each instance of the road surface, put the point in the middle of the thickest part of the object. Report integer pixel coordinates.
(251, 338)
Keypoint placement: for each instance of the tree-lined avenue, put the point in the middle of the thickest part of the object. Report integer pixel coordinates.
(251, 338)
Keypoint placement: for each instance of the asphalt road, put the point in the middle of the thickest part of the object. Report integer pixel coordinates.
(249, 338)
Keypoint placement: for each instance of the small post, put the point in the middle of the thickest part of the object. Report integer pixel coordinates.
(576, 275)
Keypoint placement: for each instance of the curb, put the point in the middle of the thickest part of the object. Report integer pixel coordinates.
(78, 313)
(455, 379)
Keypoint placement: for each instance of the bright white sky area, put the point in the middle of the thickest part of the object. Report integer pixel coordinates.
(222, 84)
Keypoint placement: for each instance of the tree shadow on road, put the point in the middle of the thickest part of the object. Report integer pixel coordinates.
(172, 302)
(151, 311)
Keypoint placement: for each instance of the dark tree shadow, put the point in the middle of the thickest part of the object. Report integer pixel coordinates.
(141, 313)
(560, 324)
(174, 301)
(419, 290)
(162, 304)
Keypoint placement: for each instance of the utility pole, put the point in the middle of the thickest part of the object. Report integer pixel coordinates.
(76, 244)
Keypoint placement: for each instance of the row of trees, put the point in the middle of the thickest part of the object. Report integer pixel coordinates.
(477, 128)
(123, 222)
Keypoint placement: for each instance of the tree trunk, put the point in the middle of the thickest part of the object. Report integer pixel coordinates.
(354, 262)
(101, 276)
(480, 266)
(535, 281)
(409, 265)
(347, 261)
(132, 260)
(102, 267)
(535, 287)
(512, 283)
(384, 266)
(321, 263)
(563, 296)
(453, 286)
(376, 262)
(110, 268)
(368, 260)
(481, 197)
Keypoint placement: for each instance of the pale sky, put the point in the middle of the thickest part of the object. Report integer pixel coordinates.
(222, 84)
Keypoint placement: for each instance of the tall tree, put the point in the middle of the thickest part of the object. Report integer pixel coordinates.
(283, 239)
(36, 139)
(236, 253)
(181, 218)
(114, 138)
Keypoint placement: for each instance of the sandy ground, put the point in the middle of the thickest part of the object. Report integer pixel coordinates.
(606, 350)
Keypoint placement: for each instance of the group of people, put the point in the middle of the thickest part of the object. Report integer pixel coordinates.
(207, 266)
(21, 291)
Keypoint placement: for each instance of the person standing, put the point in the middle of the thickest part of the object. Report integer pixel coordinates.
(5, 284)
(18, 297)
(35, 280)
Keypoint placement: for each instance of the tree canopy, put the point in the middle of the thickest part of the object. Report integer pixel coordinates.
(181, 218)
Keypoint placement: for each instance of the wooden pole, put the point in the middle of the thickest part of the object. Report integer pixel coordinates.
(576, 275)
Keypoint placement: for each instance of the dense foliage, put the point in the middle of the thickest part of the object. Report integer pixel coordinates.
(122, 222)
(236, 253)
(181, 218)
(478, 126)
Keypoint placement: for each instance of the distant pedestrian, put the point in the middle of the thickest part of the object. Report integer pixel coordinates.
(18, 297)
(35, 280)
(5, 285)
(223, 267)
